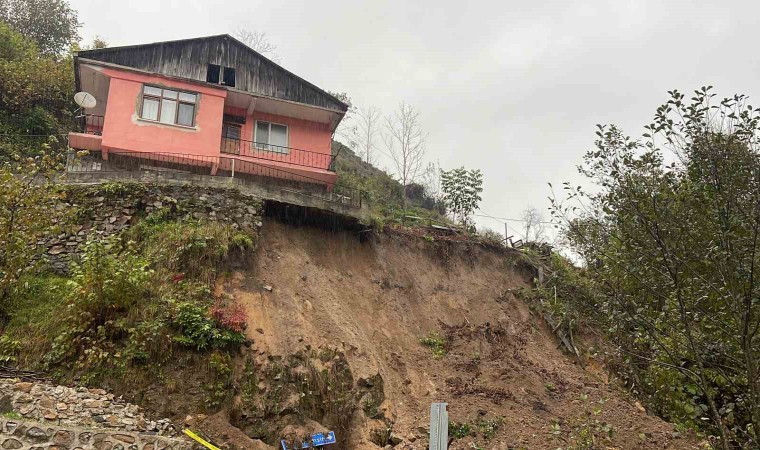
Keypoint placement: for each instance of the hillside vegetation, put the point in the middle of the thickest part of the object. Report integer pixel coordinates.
(383, 191)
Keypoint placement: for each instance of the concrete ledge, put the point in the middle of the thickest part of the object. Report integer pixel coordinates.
(274, 192)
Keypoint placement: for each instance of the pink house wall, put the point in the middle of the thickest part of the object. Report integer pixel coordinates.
(311, 137)
(124, 130)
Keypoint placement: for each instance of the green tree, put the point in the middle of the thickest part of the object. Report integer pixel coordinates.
(51, 24)
(28, 213)
(461, 192)
(671, 237)
(35, 90)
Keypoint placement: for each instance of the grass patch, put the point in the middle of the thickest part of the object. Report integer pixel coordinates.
(35, 318)
(436, 343)
(459, 430)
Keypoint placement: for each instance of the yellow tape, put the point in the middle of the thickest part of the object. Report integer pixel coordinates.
(200, 440)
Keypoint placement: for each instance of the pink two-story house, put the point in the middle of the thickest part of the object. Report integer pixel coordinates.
(210, 103)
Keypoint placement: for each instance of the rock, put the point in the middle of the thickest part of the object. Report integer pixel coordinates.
(56, 250)
(62, 438)
(24, 386)
(267, 288)
(260, 330)
(6, 404)
(395, 439)
(125, 438)
(12, 444)
(36, 434)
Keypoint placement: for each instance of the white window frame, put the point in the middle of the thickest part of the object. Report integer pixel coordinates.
(266, 146)
(160, 98)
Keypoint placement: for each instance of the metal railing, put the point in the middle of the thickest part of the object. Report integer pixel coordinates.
(269, 152)
(174, 165)
(89, 124)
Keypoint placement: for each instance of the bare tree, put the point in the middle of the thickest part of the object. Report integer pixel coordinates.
(405, 141)
(534, 225)
(258, 41)
(347, 129)
(367, 130)
(431, 180)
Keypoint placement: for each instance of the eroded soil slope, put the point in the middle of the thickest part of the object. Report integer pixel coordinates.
(499, 368)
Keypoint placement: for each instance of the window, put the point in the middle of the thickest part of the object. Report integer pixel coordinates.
(168, 106)
(229, 76)
(271, 136)
(212, 73)
(220, 75)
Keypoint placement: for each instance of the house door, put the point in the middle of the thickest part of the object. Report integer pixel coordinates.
(231, 138)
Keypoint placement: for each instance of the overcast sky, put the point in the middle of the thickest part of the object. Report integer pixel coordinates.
(513, 88)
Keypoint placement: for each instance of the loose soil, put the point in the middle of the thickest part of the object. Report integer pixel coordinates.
(501, 371)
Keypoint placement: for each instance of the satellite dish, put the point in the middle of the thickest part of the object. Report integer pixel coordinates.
(85, 100)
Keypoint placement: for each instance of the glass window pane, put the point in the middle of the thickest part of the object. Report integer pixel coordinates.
(170, 94)
(262, 132)
(186, 113)
(150, 108)
(279, 138)
(185, 97)
(150, 90)
(168, 111)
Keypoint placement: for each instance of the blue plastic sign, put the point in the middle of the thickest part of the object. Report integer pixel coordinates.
(317, 440)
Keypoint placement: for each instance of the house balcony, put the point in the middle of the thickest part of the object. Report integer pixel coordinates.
(88, 134)
(289, 156)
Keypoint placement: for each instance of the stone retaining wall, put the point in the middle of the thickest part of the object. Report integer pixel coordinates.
(112, 207)
(22, 435)
(82, 407)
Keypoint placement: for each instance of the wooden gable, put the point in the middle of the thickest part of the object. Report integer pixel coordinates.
(190, 58)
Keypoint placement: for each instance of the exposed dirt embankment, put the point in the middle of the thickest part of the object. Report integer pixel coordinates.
(369, 304)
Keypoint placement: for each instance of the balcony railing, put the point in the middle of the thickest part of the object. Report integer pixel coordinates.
(89, 124)
(269, 152)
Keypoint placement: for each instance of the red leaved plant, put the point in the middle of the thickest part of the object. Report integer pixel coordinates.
(232, 317)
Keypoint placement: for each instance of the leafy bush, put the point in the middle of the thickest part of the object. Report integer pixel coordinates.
(199, 331)
(491, 238)
(9, 349)
(220, 388)
(108, 281)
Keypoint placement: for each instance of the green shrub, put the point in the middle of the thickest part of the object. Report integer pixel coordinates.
(436, 343)
(459, 430)
(197, 330)
(108, 281)
(219, 389)
(9, 349)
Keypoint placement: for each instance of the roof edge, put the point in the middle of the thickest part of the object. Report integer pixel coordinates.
(84, 54)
